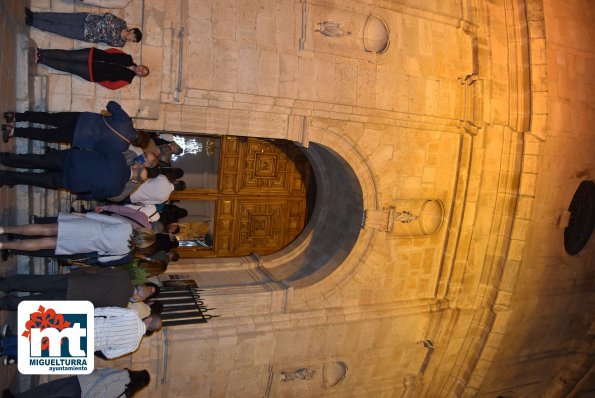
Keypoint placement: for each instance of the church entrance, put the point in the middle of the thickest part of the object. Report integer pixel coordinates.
(243, 195)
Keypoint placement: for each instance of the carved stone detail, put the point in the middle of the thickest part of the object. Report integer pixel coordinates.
(405, 216)
(381, 220)
(298, 374)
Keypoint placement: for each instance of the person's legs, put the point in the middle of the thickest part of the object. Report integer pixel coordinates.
(70, 61)
(64, 24)
(48, 179)
(56, 119)
(36, 220)
(9, 346)
(73, 56)
(66, 387)
(53, 160)
(79, 69)
(47, 135)
(11, 302)
(35, 283)
(30, 244)
(36, 253)
(33, 229)
(45, 220)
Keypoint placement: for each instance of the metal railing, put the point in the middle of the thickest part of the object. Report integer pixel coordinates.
(183, 306)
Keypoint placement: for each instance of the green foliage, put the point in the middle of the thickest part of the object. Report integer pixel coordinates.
(138, 274)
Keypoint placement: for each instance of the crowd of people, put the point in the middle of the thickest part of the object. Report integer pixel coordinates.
(113, 248)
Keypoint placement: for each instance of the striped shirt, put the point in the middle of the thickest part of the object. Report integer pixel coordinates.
(118, 331)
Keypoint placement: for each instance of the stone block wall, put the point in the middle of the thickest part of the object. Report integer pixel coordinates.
(455, 110)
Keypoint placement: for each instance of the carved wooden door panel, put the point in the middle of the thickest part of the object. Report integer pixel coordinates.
(261, 200)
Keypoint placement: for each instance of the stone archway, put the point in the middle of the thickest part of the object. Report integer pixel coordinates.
(328, 249)
(334, 228)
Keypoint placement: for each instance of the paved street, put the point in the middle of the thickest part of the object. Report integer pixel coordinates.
(12, 88)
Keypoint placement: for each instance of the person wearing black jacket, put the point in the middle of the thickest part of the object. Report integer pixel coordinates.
(97, 174)
(111, 68)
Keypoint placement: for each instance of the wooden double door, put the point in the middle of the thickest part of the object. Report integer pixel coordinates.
(261, 199)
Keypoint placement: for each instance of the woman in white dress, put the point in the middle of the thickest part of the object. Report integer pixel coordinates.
(111, 237)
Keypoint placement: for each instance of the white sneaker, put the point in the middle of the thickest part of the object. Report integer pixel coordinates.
(9, 360)
(6, 330)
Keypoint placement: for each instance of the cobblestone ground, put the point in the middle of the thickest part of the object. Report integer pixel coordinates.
(12, 28)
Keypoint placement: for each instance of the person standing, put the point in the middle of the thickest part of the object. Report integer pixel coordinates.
(112, 238)
(119, 331)
(104, 383)
(171, 213)
(80, 129)
(104, 287)
(90, 174)
(156, 190)
(93, 28)
(112, 68)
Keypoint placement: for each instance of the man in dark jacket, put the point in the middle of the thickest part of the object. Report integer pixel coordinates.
(80, 129)
(90, 174)
(104, 287)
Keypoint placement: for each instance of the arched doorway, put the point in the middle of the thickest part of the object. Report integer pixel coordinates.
(329, 237)
(243, 195)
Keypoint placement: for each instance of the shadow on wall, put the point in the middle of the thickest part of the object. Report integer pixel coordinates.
(333, 228)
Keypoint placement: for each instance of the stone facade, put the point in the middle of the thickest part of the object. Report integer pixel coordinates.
(467, 106)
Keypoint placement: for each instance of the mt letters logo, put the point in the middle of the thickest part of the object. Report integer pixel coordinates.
(56, 337)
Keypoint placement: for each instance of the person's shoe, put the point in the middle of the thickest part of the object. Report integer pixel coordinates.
(38, 56)
(9, 360)
(9, 117)
(7, 394)
(6, 330)
(5, 254)
(3, 176)
(28, 16)
(7, 131)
